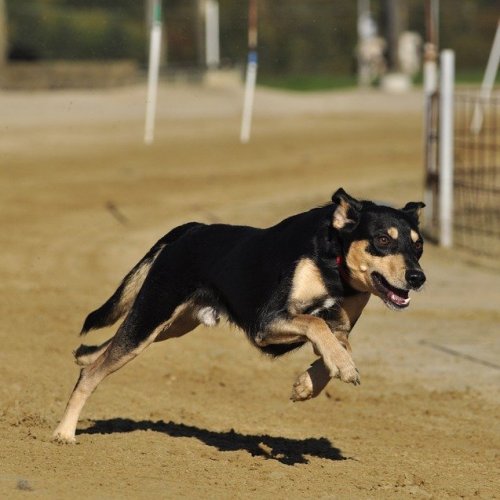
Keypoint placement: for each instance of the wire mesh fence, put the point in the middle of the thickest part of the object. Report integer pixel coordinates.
(477, 172)
(476, 184)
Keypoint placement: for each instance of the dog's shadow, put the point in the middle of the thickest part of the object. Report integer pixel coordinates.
(285, 450)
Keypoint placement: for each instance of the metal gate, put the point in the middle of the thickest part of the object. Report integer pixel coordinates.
(476, 183)
(476, 177)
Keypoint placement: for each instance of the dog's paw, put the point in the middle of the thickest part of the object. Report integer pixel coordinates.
(61, 438)
(302, 389)
(350, 375)
(345, 370)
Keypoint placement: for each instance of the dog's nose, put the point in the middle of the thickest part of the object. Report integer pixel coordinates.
(415, 278)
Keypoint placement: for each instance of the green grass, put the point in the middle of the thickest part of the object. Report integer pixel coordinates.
(305, 83)
(475, 77)
(308, 83)
(465, 77)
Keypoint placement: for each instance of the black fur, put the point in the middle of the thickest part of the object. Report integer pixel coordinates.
(306, 279)
(245, 273)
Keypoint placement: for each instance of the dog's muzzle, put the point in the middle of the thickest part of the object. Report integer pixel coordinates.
(415, 278)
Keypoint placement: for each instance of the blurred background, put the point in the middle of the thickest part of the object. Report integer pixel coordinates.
(302, 44)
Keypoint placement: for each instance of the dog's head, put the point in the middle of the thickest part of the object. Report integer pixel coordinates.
(382, 247)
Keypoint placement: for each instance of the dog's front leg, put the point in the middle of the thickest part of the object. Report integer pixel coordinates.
(337, 361)
(310, 383)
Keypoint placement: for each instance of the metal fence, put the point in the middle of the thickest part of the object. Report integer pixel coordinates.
(477, 172)
(476, 182)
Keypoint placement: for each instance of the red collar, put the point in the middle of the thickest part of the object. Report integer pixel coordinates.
(343, 272)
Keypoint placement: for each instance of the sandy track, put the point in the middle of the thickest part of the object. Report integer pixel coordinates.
(206, 415)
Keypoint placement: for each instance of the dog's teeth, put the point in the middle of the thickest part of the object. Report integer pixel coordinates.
(400, 301)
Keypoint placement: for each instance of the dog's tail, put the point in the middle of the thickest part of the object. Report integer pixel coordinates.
(121, 301)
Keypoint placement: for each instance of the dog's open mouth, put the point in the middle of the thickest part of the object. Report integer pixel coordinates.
(392, 296)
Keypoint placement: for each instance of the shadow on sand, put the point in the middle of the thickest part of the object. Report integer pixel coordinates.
(285, 450)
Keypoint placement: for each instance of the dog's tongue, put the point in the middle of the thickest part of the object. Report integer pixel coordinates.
(398, 299)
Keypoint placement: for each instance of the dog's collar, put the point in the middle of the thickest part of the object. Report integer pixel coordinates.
(343, 272)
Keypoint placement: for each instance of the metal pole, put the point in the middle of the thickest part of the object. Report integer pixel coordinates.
(364, 33)
(212, 46)
(431, 46)
(153, 71)
(430, 87)
(488, 82)
(251, 76)
(446, 148)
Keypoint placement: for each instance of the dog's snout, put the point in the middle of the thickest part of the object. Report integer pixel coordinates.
(415, 278)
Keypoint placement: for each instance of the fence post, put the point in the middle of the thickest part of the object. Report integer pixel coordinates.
(431, 83)
(488, 83)
(430, 133)
(153, 70)
(446, 148)
(212, 48)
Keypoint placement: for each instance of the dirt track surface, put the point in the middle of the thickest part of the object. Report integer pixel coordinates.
(206, 415)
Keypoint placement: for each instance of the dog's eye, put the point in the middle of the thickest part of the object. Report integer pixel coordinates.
(383, 240)
(419, 244)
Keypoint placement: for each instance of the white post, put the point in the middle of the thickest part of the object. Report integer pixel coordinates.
(430, 85)
(250, 81)
(488, 83)
(366, 30)
(153, 71)
(251, 78)
(212, 45)
(430, 71)
(430, 75)
(446, 148)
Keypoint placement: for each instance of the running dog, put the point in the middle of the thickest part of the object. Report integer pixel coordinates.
(306, 279)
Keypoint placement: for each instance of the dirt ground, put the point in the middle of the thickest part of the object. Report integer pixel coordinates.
(206, 415)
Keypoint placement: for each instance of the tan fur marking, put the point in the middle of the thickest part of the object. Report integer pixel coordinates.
(307, 285)
(391, 267)
(393, 233)
(340, 218)
(305, 327)
(414, 236)
(350, 310)
(182, 321)
(134, 284)
(86, 359)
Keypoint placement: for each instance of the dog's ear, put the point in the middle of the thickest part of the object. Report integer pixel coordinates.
(347, 211)
(414, 209)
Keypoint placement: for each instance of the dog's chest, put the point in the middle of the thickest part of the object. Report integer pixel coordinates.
(308, 293)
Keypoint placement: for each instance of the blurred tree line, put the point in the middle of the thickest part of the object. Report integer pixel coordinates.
(296, 37)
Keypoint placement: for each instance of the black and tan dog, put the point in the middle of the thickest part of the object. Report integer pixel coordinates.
(306, 279)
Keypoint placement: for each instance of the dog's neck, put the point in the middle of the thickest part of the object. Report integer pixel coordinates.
(343, 272)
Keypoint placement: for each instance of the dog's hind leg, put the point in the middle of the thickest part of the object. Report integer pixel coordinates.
(183, 323)
(129, 341)
(86, 354)
(115, 355)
